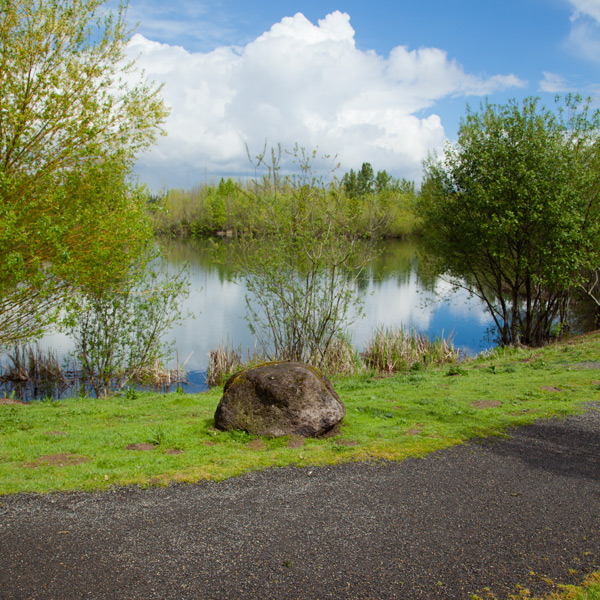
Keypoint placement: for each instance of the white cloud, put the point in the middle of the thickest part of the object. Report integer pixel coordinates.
(590, 8)
(584, 37)
(194, 22)
(553, 83)
(304, 83)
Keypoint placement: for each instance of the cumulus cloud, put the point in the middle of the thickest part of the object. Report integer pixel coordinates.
(300, 83)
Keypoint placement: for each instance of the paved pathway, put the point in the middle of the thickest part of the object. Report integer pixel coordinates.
(490, 514)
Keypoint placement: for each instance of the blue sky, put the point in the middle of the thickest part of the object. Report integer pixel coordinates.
(384, 82)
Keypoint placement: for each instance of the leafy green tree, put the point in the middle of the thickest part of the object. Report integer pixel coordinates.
(512, 211)
(118, 330)
(302, 271)
(71, 124)
(365, 180)
(350, 183)
(358, 185)
(383, 182)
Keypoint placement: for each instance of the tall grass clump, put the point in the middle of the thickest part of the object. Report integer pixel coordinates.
(341, 358)
(392, 350)
(226, 360)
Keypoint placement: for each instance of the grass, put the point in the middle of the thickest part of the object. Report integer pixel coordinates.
(589, 590)
(154, 439)
(399, 349)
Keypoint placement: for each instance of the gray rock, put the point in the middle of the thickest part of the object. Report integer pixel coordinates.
(280, 398)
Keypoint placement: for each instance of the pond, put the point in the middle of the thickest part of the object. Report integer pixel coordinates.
(395, 290)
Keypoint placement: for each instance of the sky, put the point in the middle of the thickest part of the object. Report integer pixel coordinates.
(385, 82)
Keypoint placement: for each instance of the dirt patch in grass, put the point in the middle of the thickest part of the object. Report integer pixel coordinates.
(173, 451)
(256, 444)
(347, 442)
(335, 430)
(551, 388)
(64, 459)
(10, 401)
(414, 431)
(296, 441)
(55, 433)
(481, 404)
(141, 447)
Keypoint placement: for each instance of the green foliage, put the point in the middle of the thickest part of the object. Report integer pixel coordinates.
(130, 393)
(360, 184)
(302, 274)
(230, 208)
(512, 212)
(366, 183)
(71, 125)
(118, 330)
(393, 418)
(157, 437)
(456, 370)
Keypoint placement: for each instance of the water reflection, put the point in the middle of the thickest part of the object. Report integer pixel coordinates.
(397, 290)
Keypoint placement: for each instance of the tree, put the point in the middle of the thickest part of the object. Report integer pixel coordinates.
(511, 211)
(302, 271)
(71, 124)
(590, 289)
(118, 331)
(365, 182)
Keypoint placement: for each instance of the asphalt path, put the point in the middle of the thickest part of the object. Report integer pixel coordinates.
(522, 510)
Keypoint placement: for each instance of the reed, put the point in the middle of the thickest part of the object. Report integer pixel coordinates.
(393, 350)
(388, 351)
(157, 375)
(31, 369)
(31, 372)
(226, 360)
(341, 358)
(34, 364)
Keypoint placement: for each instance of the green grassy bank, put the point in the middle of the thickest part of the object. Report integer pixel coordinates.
(151, 439)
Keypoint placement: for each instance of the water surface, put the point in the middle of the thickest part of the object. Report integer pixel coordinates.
(396, 291)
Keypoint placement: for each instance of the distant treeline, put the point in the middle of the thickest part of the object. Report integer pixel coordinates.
(372, 205)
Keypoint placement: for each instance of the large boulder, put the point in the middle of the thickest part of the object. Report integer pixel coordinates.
(280, 398)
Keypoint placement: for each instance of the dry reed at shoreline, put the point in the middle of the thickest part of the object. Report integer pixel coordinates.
(33, 372)
(390, 350)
